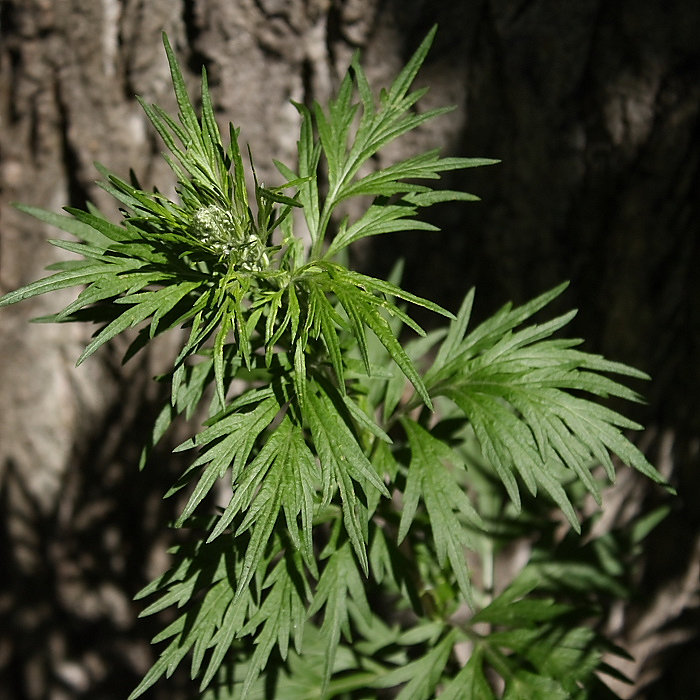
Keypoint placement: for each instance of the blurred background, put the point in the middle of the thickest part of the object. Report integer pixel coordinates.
(593, 107)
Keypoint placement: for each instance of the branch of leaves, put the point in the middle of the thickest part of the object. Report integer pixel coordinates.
(283, 489)
(378, 125)
(532, 643)
(127, 278)
(322, 301)
(273, 614)
(218, 618)
(366, 303)
(280, 488)
(208, 172)
(130, 276)
(280, 608)
(536, 638)
(231, 600)
(524, 395)
(161, 262)
(274, 471)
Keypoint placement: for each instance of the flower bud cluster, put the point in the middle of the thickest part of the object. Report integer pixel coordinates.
(218, 229)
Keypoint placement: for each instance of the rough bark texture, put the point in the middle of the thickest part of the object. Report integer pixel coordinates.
(594, 108)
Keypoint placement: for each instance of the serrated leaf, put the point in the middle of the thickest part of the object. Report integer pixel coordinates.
(364, 420)
(392, 290)
(429, 479)
(187, 113)
(146, 305)
(339, 580)
(342, 459)
(378, 220)
(89, 227)
(282, 615)
(525, 685)
(428, 198)
(470, 682)
(405, 78)
(328, 319)
(455, 334)
(69, 278)
(203, 570)
(514, 386)
(381, 329)
(239, 433)
(422, 675)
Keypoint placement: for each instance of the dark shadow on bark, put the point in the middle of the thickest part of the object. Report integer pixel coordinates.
(69, 628)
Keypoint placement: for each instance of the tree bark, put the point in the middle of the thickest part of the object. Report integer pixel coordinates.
(593, 108)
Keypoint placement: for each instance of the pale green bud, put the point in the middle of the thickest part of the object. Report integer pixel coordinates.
(217, 228)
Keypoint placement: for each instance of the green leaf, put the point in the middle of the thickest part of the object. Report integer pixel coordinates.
(199, 582)
(282, 615)
(90, 272)
(339, 580)
(455, 334)
(328, 319)
(525, 685)
(381, 329)
(227, 324)
(234, 438)
(428, 197)
(391, 290)
(343, 460)
(423, 675)
(378, 126)
(431, 479)
(334, 129)
(391, 180)
(361, 308)
(405, 78)
(309, 156)
(470, 682)
(378, 219)
(187, 113)
(145, 305)
(515, 388)
(364, 420)
(280, 478)
(106, 287)
(70, 224)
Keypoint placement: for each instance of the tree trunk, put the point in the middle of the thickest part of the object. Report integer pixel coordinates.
(592, 106)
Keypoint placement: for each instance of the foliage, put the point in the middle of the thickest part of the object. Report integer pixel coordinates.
(361, 470)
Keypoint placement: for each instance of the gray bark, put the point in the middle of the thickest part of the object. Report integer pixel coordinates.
(592, 106)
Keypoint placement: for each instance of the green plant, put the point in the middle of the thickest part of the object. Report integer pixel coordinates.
(362, 470)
